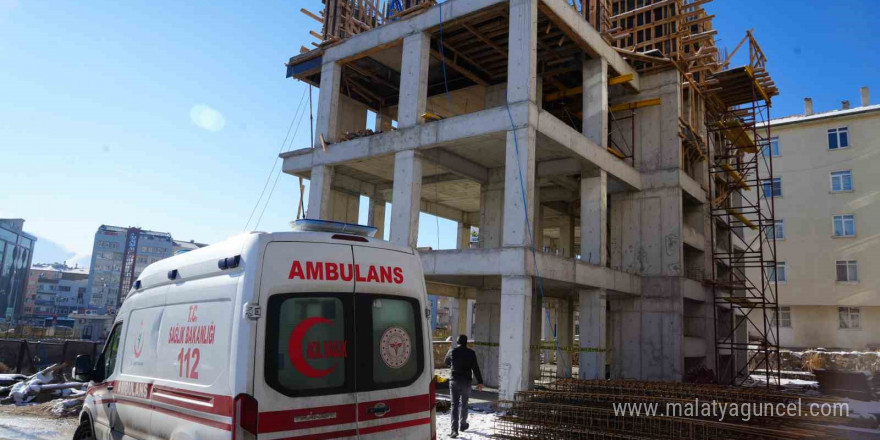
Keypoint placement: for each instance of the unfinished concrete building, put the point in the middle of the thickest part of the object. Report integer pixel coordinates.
(579, 139)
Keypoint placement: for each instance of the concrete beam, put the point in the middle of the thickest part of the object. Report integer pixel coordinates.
(407, 195)
(558, 167)
(437, 178)
(457, 164)
(422, 136)
(481, 262)
(387, 35)
(558, 195)
(588, 39)
(589, 153)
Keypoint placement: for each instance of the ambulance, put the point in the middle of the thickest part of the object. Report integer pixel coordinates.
(319, 333)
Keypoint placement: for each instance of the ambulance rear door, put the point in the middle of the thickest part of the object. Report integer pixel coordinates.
(304, 371)
(393, 350)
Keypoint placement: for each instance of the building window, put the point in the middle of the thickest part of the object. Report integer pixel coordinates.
(837, 138)
(850, 318)
(841, 181)
(777, 232)
(848, 271)
(778, 273)
(784, 316)
(845, 225)
(773, 187)
(770, 146)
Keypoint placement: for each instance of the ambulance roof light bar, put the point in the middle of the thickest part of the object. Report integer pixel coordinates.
(311, 225)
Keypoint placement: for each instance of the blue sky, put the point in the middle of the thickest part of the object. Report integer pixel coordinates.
(169, 115)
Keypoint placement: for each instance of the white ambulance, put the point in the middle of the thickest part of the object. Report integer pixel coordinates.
(320, 333)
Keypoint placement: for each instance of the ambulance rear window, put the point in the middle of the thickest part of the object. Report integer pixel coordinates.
(390, 336)
(307, 344)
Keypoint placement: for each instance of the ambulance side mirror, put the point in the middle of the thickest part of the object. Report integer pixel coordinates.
(82, 368)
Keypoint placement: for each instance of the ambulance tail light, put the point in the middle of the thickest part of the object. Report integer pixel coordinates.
(245, 417)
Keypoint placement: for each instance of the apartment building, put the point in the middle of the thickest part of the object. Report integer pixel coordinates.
(54, 291)
(826, 192)
(119, 255)
(16, 250)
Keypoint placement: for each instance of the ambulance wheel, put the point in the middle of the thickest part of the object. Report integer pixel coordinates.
(84, 431)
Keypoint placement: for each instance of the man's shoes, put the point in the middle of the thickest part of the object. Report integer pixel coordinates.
(453, 434)
(464, 427)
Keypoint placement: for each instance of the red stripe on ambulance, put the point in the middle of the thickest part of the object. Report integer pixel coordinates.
(330, 271)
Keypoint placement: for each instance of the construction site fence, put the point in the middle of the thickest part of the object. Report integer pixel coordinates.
(27, 357)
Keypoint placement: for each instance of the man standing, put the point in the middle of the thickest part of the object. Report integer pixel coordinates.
(463, 361)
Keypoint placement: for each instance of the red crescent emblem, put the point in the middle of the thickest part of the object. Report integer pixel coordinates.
(295, 348)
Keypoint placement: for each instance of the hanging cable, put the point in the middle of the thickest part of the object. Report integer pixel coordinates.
(275, 161)
(280, 172)
(311, 121)
(443, 61)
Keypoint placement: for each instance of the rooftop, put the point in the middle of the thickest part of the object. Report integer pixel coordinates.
(143, 231)
(824, 115)
(58, 267)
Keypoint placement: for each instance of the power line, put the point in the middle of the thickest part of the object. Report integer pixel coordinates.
(280, 171)
(275, 160)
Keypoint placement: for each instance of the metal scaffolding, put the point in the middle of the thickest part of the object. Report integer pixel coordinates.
(742, 191)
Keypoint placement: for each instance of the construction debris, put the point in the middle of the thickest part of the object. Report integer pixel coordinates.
(45, 385)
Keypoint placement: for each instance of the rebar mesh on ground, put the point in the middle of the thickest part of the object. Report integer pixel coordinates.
(668, 406)
(532, 420)
(676, 390)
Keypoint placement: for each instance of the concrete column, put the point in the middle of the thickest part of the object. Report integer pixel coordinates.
(547, 328)
(513, 368)
(469, 318)
(413, 80)
(539, 319)
(596, 101)
(464, 235)
(565, 336)
(492, 209)
(519, 177)
(594, 215)
(566, 236)
(319, 192)
(454, 314)
(523, 51)
(487, 327)
(539, 221)
(328, 103)
(344, 207)
(407, 195)
(376, 216)
(383, 122)
(592, 337)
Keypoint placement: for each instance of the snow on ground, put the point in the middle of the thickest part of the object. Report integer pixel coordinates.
(21, 427)
(481, 426)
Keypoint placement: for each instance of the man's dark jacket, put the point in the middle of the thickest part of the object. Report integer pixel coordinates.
(463, 361)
